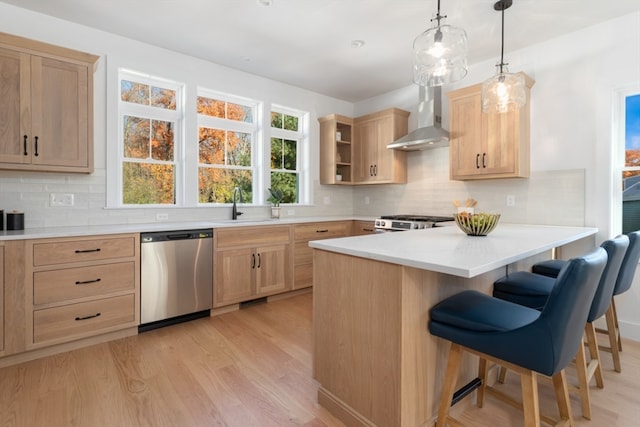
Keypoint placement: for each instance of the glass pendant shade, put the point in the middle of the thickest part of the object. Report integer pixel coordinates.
(440, 56)
(503, 92)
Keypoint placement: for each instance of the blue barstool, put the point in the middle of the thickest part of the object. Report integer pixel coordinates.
(519, 288)
(623, 283)
(525, 340)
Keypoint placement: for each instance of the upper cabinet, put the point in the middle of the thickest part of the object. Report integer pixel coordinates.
(487, 145)
(354, 151)
(336, 137)
(47, 107)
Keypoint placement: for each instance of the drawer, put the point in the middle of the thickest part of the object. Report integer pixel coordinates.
(82, 319)
(303, 254)
(71, 283)
(60, 252)
(303, 276)
(251, 236)
(321, 230)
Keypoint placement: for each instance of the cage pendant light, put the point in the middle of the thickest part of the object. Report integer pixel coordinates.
(505, 91)
(439, 54)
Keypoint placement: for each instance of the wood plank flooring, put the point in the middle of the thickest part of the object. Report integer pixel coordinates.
(246, 368)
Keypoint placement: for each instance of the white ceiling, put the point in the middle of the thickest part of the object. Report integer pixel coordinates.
(307, 43)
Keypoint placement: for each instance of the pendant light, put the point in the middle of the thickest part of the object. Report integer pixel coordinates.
(505, 91)
(439, 54)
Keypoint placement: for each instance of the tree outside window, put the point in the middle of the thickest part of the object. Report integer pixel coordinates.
(286, 136)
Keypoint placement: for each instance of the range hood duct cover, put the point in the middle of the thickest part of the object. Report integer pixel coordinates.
(430, 133)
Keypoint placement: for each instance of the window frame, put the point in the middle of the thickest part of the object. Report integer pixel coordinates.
(619, 151)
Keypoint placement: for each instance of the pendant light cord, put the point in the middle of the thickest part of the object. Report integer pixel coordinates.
(502, 44)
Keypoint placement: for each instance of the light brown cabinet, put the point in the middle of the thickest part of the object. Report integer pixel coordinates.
(250, 262)
(336, 149)
(303, 254)
(362, 228)
(374, 162)
(47, 107)
(484, 145)
(361, 155)
(1, 299)
(81, 287)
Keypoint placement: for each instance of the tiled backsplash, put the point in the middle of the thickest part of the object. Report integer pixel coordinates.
(547, 197)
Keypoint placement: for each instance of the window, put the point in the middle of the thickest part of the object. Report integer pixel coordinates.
(226, 146)
(631, 169)
(286, 140)
(149, 139)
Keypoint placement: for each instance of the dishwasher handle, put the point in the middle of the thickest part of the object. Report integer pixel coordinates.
(165, 236)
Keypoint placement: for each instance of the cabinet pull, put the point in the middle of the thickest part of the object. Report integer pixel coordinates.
(253, 260)
(483, 156)
(259, 261)
(86, 282)
(91, 316)
(375, 170)
(367, 229)
(84, 251)
(25, 145)
(477, 161)
(36, 152)
(322, 231)
(370, 170)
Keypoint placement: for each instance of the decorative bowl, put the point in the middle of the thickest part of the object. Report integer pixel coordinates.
(477, 224)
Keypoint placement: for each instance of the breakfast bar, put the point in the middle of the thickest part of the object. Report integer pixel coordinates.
(375, 361)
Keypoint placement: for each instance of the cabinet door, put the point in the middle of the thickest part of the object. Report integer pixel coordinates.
(501, 139)
(60, 113)
(271, 269)
(234, 274)
(384, 158)
(1, 298)
(366, 150)
(14, 106)
(466, 137)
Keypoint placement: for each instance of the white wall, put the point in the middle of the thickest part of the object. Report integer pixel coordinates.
(571, 141)
(29, 192)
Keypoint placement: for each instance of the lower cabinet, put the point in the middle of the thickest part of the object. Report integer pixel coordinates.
(250, 262)
(81, 287)
(361, 228)
(1, 299)
(303, 234)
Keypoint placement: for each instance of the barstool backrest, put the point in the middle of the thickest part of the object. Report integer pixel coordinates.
(565, 314)
(629, 264)
(616, 249)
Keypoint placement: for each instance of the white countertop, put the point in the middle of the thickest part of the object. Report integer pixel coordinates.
(90, 230)
(448, 250)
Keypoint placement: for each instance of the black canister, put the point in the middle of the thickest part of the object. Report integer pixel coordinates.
(1, 219)
(15, 221)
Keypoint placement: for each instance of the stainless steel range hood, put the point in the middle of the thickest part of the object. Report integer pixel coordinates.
(429, 133)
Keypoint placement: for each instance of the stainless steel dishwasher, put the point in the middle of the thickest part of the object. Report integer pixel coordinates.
(176, 282)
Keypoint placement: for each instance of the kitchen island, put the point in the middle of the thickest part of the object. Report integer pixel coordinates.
(374, 358)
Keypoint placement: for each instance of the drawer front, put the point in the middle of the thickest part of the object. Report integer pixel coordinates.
(321, 230)
(71, 283)
(303, 254)
(82, 319)
(82, 250)
(251, 236)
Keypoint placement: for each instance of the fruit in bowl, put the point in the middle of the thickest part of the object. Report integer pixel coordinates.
(476, 224)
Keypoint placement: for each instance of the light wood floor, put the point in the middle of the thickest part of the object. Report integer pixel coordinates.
(246, 368)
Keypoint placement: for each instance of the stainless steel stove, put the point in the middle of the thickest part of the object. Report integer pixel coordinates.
(388, 223)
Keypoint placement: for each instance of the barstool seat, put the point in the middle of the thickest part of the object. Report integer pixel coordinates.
(550, 267)
(526, 340)
(529, 288)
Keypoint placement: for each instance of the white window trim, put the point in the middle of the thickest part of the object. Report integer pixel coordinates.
(618, 147)
(302, 150)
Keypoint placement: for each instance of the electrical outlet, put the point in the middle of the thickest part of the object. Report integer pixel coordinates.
(511, 200)
(327, 200)
(366, 200)
(61, 199)
(291, 212)
(162, 216)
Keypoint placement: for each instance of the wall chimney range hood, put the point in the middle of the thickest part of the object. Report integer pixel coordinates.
(429, 133)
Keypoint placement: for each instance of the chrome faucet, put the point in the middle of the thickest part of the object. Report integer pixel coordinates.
(234, 209)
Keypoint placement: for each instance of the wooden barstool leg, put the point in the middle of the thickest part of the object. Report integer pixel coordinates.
(583, 383)
(502, 374)
(617, 328)
(562, 396)
(595, 366)
(613, 336)
(449, 386)
(530, 404)
(483, 374)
